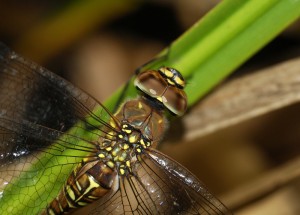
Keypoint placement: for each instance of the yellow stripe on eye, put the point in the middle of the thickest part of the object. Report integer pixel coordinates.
(168, 73)
(179, 81)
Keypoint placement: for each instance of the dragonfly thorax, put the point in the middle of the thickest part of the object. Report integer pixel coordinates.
(121, 153)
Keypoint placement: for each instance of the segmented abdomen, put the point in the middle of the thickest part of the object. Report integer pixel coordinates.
(88, 182)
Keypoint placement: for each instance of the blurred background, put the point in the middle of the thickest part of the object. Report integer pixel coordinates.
(97, 45)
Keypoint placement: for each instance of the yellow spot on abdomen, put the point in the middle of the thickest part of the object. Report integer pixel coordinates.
(70, 193)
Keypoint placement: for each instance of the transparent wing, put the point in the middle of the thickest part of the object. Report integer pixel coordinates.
(159, 185)
(188, 195)
(36, 109)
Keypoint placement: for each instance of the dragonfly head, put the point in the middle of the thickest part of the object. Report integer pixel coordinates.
(165, 86)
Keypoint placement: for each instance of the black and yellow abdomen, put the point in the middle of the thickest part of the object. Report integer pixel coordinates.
(88, 182)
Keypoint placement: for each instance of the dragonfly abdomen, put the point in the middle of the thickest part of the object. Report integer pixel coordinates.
(88, 182)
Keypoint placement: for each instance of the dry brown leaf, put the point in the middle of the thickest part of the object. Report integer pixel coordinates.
(245, 98)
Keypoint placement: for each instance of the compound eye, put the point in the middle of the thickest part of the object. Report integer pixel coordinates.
(166, 86)
(151, 83)
(175, 100)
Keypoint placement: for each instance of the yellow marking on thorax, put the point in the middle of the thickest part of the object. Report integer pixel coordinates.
(115, 151)
(110, 134)
(125, 146)
(110, 164)
(148, 144)
(142, 142)
(128, 131)
(123, 156)
(132, 139)
(124, 128)
(108, 148)
(122, 171)
(101, 155)
(140, 106)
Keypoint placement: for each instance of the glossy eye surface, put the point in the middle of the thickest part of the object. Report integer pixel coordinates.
(151, 83)
(166, 85)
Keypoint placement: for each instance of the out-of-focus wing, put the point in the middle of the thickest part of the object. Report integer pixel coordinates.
(37, 107)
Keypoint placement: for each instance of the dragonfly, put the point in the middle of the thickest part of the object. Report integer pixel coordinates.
(62, 151)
